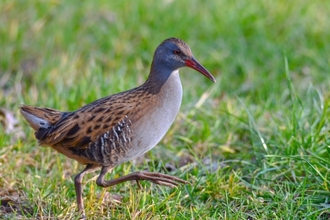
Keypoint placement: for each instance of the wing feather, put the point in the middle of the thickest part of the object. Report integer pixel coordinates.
(85, 125)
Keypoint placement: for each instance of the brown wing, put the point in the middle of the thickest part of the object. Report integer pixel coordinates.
(79, 128)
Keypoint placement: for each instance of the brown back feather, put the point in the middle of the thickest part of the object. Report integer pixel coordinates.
(79, 128)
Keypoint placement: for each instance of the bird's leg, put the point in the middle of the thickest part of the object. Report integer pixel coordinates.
(77, 183)
(158, 178)
(139, 185)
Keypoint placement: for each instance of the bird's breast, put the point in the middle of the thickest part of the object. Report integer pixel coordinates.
(157, 116)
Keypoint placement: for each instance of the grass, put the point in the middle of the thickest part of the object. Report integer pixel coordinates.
(257, 140)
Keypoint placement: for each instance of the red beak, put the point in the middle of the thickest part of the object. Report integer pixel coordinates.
(194, 64)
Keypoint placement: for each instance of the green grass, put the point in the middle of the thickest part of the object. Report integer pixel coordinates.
(258, 144)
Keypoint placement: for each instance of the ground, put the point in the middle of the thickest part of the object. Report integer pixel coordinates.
(254, 145)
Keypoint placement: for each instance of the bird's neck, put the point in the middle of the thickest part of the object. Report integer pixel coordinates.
(159, 76)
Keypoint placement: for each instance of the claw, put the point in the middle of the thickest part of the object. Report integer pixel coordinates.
(159, 178)
(139, 185)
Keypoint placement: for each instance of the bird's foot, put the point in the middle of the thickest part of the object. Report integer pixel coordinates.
(157, 178)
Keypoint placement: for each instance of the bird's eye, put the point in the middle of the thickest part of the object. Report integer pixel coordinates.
(177, 52)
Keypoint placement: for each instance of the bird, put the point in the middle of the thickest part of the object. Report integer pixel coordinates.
(120, 127)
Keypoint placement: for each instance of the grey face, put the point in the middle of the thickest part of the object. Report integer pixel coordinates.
(173, 53)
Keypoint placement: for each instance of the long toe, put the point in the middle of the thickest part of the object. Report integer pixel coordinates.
(160, 179)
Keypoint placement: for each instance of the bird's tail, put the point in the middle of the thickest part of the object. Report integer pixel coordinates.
(40, 117)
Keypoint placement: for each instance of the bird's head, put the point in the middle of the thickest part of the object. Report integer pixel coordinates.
(174, 53)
